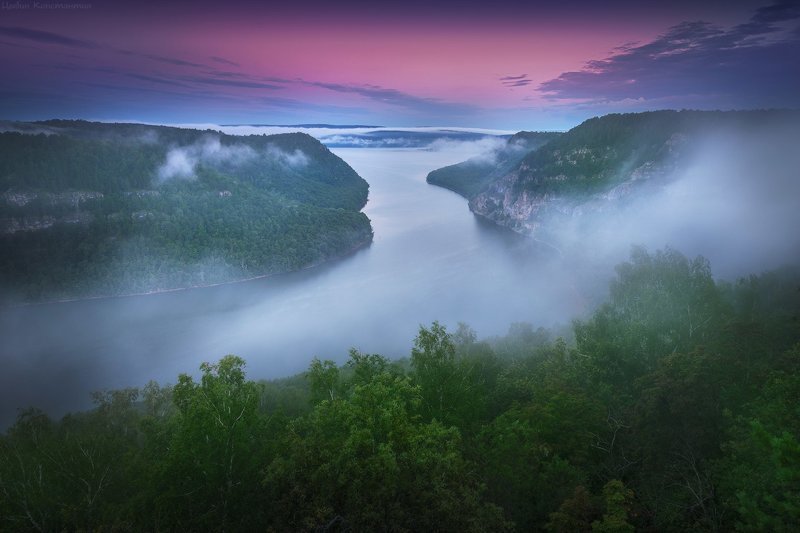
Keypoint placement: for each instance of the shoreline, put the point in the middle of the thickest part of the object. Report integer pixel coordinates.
(502, 227)
(496, 225)
(445, 187)
(350, 251)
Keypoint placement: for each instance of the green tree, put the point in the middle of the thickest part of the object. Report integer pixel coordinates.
(451, 387)
(576, 514)
(366, 367)
(618, 500)
(660, 304)
(78, 474)
(216, 450)
(365, 461)
(323, 377)
(760, 471)
(28, 484)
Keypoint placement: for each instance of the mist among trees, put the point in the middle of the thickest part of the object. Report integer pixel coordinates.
(672, 407)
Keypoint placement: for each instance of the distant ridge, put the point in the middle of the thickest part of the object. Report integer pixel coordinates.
(329, 126)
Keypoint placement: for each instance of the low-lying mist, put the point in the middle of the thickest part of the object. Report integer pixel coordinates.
(735, 202)
(735, 199)
(181, 161)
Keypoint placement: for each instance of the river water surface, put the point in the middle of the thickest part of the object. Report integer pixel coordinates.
(431, 259)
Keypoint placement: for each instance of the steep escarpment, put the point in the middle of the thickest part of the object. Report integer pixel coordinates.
(92, 209)
(601, 164)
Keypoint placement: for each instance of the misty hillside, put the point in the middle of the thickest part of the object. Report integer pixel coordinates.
(98, 209)
(672, 407)
(600, 165)
(470, 177)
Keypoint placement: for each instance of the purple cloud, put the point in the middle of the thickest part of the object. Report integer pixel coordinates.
(233, 83)
(752, 64)
(394, 97)
(224, 61)
(45, 37)
(515, 81)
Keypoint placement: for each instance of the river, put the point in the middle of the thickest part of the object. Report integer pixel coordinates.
(431, 259)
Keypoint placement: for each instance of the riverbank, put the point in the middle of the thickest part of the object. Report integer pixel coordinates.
(489, 223)
(451, 189)
(316, 264)
(430, 260)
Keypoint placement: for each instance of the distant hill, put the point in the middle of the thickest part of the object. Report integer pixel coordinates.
(400, 138)
(470, 177)
(96, 208)
(322, 126)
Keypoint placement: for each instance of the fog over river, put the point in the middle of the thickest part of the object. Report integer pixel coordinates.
(431, 259)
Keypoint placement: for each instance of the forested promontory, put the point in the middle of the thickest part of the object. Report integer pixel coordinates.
(603, 164)
(472, 176)
(99, 209)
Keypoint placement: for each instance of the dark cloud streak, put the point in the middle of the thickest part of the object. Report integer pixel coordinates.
(515, 81)
(155, 79)
(46, 37)
(393, 97)
(224, 61)
(161, 59)
(234, 83)
(172, 61)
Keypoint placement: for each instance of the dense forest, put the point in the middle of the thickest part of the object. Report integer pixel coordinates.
(672, 407)
(599, 153)
(98, 209)
(608, 163)
(470, 177)
(605, 151)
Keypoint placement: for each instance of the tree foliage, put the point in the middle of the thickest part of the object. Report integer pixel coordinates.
(85, 210)
(675, 409)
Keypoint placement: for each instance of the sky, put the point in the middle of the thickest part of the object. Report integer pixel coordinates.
(504, 65)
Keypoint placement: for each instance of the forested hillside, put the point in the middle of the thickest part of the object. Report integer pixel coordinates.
(470, 177)
(673, 407)
(99, 209)
(602, 164)
(606, 151)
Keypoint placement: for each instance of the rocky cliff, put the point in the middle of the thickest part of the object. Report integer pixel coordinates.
(599, 165)
(525, 198)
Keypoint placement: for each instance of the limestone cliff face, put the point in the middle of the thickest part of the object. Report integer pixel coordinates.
(527, 199)
(598, 167)
(520, 212)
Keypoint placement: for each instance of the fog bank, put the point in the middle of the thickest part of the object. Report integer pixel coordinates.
(735, 200)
